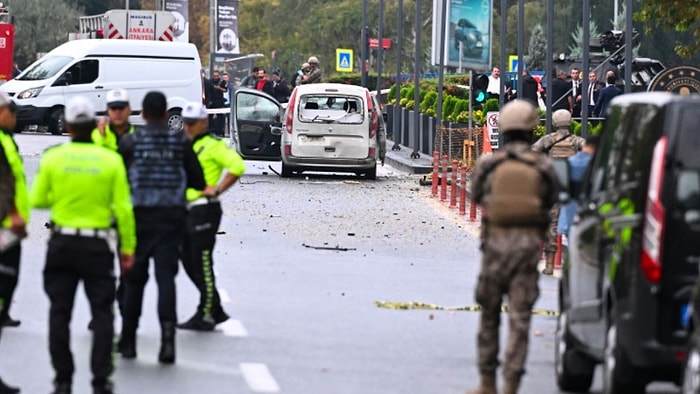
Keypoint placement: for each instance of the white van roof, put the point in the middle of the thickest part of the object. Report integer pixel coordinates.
(83, 48)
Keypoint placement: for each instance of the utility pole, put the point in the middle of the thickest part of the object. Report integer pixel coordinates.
(212, 33)
(363, 75)
(397, 92)
(416, 81)
(379, 46)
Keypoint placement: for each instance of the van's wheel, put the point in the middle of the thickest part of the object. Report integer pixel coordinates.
(618, 375)
(287, 171)
(175, 120)
(691, 372)
(56, 121)
(574, 371)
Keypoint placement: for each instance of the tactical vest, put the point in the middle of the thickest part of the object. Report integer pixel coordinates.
(157, 174)
(515, 196)
(562, 148)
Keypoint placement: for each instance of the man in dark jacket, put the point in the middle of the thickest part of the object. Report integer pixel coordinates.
(609, 92)
(528, 88)
(561, 92)
(161, 165)
(280, 89)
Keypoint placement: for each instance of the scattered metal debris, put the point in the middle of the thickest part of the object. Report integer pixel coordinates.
(336, 248)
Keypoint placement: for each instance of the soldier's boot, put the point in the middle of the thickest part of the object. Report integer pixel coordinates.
(549, 264)
(167, 342)
(488, 386)
(511, 387)
(127, 341)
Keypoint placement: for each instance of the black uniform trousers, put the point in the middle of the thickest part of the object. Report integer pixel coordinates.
(9, 271)
(158, 236)
(198, 254)
(70, 259)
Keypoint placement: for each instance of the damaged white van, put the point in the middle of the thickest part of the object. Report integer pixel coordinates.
(332, 127)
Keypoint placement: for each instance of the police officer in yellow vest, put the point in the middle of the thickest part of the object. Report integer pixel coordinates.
(13, 218)
(110, 129)
(222, 167)
(85, 186)
(516, 187)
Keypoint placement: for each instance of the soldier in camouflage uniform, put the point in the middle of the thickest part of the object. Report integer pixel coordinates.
(516, 187)
(314, 74)
(561, 144)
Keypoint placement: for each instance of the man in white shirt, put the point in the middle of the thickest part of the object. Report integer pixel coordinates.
(494, 88)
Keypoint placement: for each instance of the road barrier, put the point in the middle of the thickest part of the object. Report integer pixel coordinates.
(455, 176)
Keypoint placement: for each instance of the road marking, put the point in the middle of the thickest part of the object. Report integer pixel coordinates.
(259, 378)
(223, 295)
(233, 328)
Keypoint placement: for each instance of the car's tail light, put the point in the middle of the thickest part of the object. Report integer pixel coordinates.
(374, 113)
(288, 150)
(372, 152)
(652, 239)
(290, 112)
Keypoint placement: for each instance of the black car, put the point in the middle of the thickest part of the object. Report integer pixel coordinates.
(470, 37)
(633, 249)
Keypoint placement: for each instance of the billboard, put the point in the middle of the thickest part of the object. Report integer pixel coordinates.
(182, 19)
(467, 35)
(227, 26)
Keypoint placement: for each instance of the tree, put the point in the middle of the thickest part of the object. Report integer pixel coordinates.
(41, 26)
(537, 49)
(679, 16)
(576, 47)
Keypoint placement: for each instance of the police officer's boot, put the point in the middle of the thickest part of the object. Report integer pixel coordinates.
(167, 342)
(549, 264)
(511, 387)
(488, 386)
(127, 341)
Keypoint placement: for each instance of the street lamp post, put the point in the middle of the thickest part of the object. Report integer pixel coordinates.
(396, 130)
(416, 81)
(364, 50)
(379, 46)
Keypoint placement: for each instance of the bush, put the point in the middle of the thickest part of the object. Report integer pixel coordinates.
(429, 101)
(490, 105)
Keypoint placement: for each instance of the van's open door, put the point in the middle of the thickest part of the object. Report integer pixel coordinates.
(256, 126)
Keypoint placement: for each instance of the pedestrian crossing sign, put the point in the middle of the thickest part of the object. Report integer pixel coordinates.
(343, 60)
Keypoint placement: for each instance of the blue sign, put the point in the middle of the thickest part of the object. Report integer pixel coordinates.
(343, 60)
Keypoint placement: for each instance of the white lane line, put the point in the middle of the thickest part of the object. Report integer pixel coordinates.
(259, 378)
(223, 294)
(233, 328)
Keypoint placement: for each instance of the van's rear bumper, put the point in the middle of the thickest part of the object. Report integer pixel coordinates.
(29, 114)
(329, 163)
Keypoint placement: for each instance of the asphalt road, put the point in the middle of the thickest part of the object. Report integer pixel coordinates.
(300, 265)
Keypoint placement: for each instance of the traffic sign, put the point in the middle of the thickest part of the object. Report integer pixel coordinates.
(512, 63)
(343, 60)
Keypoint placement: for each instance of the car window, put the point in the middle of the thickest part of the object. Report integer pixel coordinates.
(323, 108)
(251, 107)
(688, 195)
(640, 140)
(689, 146)
(45, 68)
(599, 175)
(85, 71)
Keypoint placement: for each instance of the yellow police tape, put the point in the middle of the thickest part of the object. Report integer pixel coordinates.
(470, 308)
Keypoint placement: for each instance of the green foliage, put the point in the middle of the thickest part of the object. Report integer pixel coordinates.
(448, 106)
(429, 101)
(537, 49)
(576, 48)
(490, 105)
(41, 26)
(678, 16)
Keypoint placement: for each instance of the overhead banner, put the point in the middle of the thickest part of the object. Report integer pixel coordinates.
(468, 34)
(180, 11)
(227, 26)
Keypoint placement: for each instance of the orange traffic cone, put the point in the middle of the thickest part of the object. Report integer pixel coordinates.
(486, 146)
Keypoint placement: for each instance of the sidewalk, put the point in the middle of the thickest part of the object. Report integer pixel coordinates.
(401, 160)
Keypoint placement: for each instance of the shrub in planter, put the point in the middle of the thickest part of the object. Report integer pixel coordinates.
(490, 105)
(429, 101)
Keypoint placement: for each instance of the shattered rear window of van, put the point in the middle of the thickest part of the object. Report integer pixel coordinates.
(331, 109)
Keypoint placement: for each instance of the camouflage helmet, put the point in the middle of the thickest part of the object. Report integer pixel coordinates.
(313, 60)
(305, 65)
(518, 115)
(561, 119)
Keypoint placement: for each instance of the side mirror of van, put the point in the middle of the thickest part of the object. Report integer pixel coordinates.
(561, 169)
